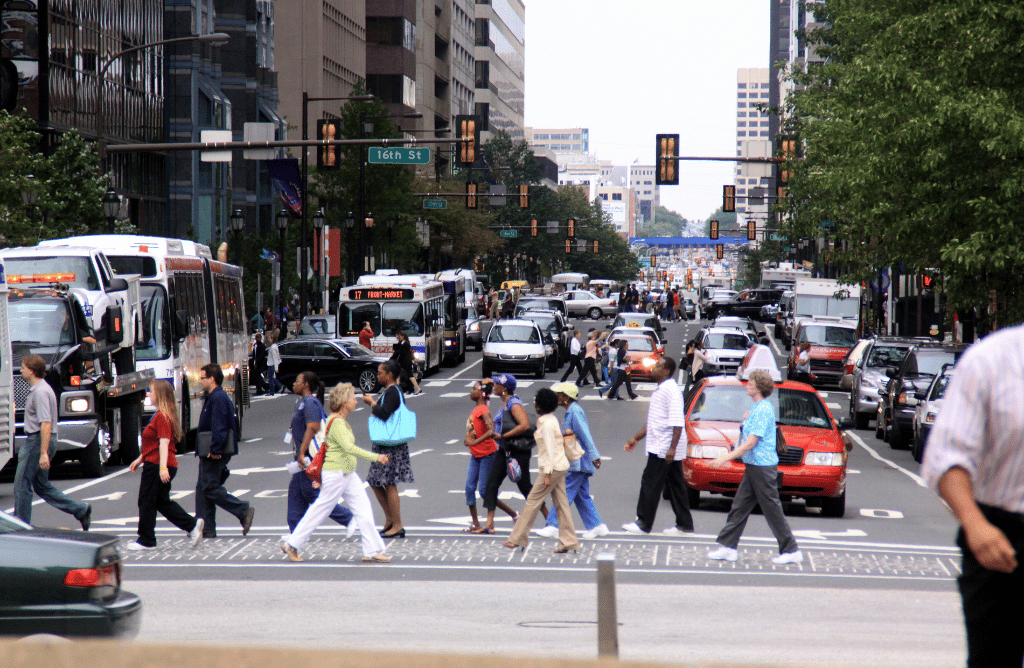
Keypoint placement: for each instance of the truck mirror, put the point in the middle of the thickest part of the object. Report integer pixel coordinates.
(115, 324)
(117, 285)
(465, 313)
(181, 324)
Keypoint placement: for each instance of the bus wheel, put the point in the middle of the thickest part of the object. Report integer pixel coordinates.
(95, 455)
(462, 351)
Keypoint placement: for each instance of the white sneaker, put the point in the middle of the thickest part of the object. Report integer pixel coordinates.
(724, 553)
(548, 531)
(135, 546)
(350, 529)
(596, 532)
(674, 531)
(789, 558)
(632, 527)
(196, 535)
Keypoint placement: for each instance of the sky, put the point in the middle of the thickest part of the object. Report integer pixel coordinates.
(631, 70)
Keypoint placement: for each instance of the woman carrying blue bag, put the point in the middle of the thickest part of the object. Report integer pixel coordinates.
(392, 425)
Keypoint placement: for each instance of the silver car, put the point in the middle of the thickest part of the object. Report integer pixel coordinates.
(582, 303)
(929, 403)
(474, 329)
(884, 352)
(517, 346)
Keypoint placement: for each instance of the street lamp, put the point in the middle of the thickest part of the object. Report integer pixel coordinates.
(318, 225)
(111, 207)
(391, 240)
(30, 195)
(350, 222)
(237, 225)
(282, 225)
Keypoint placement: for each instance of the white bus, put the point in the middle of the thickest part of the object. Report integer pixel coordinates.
(7, 408)
(570, 281)
(410, 303)
(193, 314)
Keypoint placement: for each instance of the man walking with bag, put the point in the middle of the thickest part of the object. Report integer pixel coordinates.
(217, 418)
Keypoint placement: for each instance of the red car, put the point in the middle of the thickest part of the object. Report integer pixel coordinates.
(814, 466)
(642, 355)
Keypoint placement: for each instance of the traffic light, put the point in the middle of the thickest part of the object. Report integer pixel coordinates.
(787, 151)
(751, 230)
(667, 150)
(327, 156)
(571, 227)
(728, 199)
(524, 198)
(468, 127)
(471, 196)
(925, 282)
(568, 246)
(714, 229)
(595, 245)
(719, 251)
(533, 227)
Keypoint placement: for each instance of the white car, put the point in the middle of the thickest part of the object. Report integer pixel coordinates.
(725, 348)
(517, 346)
(929, 403)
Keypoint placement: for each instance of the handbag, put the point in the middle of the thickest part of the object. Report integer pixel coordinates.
(573, 451)
(399, 429)
(319, 438)
(316, 466)
(524, 441)
(515, 472)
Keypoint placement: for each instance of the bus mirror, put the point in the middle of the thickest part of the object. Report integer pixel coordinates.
(181, 324)
(117, 285)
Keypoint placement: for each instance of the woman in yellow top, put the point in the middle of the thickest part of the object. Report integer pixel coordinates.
(552, 466)
(339, 479)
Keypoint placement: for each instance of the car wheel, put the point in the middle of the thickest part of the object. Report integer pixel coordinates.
(879, 425)
(368, 381)
(860, 420)
(594, 313)
(539, 373)
(128, 451)
(693, 497)
(834, 507)
(485, 371)
(778, 331)
(897, 439)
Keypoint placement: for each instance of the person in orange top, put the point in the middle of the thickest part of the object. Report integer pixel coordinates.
(482, 448)
(366, 336)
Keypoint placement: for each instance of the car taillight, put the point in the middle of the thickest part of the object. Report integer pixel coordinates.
(902, 398)
(92, 577)
(613, 302)
(849, 368)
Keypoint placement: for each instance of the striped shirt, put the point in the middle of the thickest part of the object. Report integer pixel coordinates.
(665, 412)
(980, 426)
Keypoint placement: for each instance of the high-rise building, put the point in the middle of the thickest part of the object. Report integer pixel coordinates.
(561, 141)
(500, 66)
(753, 140)
(648, 195)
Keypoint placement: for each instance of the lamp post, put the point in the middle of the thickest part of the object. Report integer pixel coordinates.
(318, 225)
(111, 207)
(215, 39)
(368, 259)
(282, 225)
(350, 222)
(237, 225)
(391, 241)
(29, 196)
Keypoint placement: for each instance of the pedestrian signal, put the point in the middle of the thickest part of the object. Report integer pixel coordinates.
(714, 229)
(719, 251)
(751, 230)
(571, 227)
(533, 227)
(524, 198)
(469, 131)
(471, 201)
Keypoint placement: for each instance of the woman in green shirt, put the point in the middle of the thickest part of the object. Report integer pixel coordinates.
(340, 480)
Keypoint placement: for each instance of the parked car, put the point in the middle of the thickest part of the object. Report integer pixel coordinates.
(515, 345)
(747, 303)
(636, 319)
(555, 327)
(929, 403)
(641, 355)
(63, 582)
(582, 303)
(813, 467)
(334, 361)
(725, 348)
(317, 327)
(914, 374)
(690, 307)
(867, 375)
(769, 313)
(474, 328)
(540, 303)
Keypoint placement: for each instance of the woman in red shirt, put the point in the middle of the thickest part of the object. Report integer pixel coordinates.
(482, 447)
(159, 465)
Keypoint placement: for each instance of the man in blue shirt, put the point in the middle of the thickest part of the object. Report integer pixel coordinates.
(218, 418)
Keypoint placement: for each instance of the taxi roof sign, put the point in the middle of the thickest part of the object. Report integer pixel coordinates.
(759, 357)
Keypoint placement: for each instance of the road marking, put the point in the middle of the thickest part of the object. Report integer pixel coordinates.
(271, 494)
(457, 454)
(814, 534)
(410, 493)
(253, 440)
(452, 442)
(450, 395)
(454, 376)
(833, 405)
(436, 383)
(258, 469)
(113, 496)
(121, 521)
(420, 452)
(881, 513)
(871, 451)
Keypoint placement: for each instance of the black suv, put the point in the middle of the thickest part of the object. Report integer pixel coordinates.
(914, 374)
(747, 303)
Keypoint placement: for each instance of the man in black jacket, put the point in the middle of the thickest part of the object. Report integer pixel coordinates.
(259, 363)
(218, 418)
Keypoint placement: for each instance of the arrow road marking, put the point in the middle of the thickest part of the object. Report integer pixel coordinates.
(113, 496)
(814, 534)
(258, 469)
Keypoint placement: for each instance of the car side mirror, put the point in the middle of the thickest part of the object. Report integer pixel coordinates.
(846, 423)
(883, 393)
(890, 372)
(921, 394)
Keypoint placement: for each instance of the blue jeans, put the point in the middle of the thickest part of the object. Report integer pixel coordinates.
(577, 488)
(302, 494)
(275, 384)
(476, 477)
(29, 477)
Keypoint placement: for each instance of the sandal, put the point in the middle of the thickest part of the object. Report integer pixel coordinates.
(377, 558)
(472, 529)
(514, 546)
(483, 530)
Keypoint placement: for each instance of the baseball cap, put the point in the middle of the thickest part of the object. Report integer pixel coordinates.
(570, 390)
(506, 380)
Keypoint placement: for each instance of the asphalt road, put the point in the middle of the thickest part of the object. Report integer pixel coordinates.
(877, 586)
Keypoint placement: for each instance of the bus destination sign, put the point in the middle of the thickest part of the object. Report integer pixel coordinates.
(380, 294)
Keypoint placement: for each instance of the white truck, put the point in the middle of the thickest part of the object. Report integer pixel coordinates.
(784, 276)
(821, 297)
(7, 371)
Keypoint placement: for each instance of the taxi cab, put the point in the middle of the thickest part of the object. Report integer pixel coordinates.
(814, 465)
(641, 355)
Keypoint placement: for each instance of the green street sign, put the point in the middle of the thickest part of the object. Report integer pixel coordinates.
(435, 204)
(508, 234)
(778, 237)
(398, 155)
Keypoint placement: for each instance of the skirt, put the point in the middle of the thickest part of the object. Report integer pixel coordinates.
(397, 470)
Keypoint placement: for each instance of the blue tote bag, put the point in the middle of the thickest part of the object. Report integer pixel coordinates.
(398, 429)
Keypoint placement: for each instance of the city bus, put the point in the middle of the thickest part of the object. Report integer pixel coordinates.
(459, 295)
(193, 314)
(411, 303)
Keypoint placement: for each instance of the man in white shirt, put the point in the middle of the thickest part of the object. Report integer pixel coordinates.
(666, 448)
(975, 461)
(575, 358)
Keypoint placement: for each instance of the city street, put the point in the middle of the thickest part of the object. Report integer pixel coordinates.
(877, 586)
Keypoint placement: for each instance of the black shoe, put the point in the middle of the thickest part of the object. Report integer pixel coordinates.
(398, 534)
(86, 519)
(620, 398)
(209, 535)
(634, 396)
(247, 520)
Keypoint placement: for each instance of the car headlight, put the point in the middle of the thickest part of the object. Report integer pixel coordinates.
(78, 405)
(705, 451)
(536, 357)
(930, 417)
(870, 383)
(487, 354)
(649, 362)
(419, 357)
(823, 459)
(475, 327)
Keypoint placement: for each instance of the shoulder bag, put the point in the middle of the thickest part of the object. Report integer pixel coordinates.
(316, 466)
(319, 438)
(573, 451)
(524, 441)
(399, 429)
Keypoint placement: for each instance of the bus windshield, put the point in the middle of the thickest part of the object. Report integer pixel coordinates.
(156, 331)
(405, 316)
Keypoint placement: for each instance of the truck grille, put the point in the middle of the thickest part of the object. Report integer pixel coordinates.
(21, 388)
(827, 365)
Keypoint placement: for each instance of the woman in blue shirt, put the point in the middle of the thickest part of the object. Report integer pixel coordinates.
(758, 487)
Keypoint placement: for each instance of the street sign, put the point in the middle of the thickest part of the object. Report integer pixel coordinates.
(215, 137)
(435, 204)
(399, 155)
(777, 237)
(508, 234)
(645, 261)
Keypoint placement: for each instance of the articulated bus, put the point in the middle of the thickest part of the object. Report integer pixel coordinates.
(411, 303)
(193, 314)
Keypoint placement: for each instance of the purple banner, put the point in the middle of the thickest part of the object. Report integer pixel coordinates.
(284, 172)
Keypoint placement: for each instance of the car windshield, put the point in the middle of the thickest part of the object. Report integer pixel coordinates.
(541, 304)
(728, 403)
(514, 333)
(40, 324)
(156, 332)
(939, 388)
(639, 344)
(931, 363)
(886, 356)
(546, 324)
(721, 341)
(354, 349)
(77, 272)
(625, 321)
(824, 335)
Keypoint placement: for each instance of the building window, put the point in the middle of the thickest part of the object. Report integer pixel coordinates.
(763, 134)
(741, 96)
(392, 88)
(483, 110)
(483, 74)
(741, 105)
(604, 196)
(388, 31)
(741, 86)
(741, 133)
(741, 124)
(483, 32)
(617, 196)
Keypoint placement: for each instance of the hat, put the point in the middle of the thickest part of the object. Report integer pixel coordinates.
(570, 390)
(506, 380)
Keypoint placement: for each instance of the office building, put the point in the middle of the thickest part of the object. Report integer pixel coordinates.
(500, 66)
(753, 180)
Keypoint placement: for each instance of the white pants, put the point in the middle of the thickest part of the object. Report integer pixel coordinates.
(334, 487)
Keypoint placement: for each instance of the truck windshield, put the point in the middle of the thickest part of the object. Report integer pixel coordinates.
(77, 272)
(155, 327)
(40, 325)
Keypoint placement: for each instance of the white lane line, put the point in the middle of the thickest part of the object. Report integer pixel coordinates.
(436, 383)
(451, 442)
(871, 451)
(449, 395)
(833, 405)
(454, 376)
